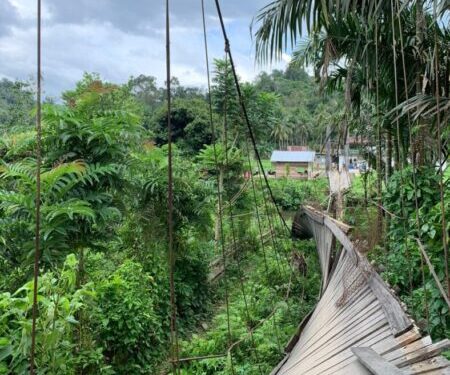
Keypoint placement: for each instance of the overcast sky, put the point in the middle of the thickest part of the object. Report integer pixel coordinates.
(120, 38)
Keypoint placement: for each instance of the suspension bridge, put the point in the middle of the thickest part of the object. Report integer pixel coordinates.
(358, 325)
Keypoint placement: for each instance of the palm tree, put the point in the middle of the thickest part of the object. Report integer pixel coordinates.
(377, 51)
(281, 132)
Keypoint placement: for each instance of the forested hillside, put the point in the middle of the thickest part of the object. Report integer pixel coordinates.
(165, 248)
(103, 290)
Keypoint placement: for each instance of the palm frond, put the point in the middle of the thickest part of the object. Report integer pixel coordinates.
(424, 106)
(280, 23)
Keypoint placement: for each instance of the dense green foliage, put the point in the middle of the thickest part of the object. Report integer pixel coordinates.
(291, 194)
(401, 265)
(103, 293)
(404, 253)
(16, 105)
(389, 60)
(271, 317)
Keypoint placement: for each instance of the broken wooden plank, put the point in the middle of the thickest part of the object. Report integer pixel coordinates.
(375, 362)
(372, 317)
(313, 214)
(341, 237)
(345, 227)
(432, 364)
(406, 349)
(424, 353)
(395, 315)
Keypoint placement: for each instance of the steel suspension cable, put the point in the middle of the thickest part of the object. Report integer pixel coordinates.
(439, 134)
(414, 167)
(221, 210)
(244, 109)
(378, 160)
(171, 251)
(400, 150)
(405, 82)
(246, 117)
(263, 246)
(269, 219)
(231, 212)
(37, 234)
(219, 192)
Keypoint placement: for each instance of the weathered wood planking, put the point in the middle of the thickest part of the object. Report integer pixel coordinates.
(341, 237)
(433, 364)
(339, 180)
(375, 362)
(395, 314)
(369, 316)
(423, 353)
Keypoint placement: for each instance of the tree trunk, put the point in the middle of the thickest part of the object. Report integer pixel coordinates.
(388, 155)
(397, 145)
(217, 223)
(420, 30)
(328, 150)
(348, 108)
(379, 184)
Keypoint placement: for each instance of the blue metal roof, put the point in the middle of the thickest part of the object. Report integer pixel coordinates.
(293, 156)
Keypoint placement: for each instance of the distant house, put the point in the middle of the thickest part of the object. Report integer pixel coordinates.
(293, 164)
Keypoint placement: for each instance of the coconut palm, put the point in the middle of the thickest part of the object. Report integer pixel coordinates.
(281, 132)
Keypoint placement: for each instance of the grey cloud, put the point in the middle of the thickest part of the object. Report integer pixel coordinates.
(122, 38)
(8, 17)
(139, 15)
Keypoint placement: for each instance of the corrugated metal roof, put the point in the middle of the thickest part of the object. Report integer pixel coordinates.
(293, 156)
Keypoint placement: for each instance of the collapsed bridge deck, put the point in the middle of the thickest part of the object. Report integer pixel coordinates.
(358, 326)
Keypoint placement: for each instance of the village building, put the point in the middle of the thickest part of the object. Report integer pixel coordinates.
(293, 164)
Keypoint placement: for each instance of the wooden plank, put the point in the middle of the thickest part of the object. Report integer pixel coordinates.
(324, 238)
(327, 351)
(313, 214)
(294, 339)
(335, 352)
(327, 317)
(320, 216)
(353, 367)
(386, 344)
(330, 296)
(344, 227)
(336, 334)
(424, 353)
(276, 370)
(376, 363)
(347, 356)
(408, 337)
(396, 316)
(416, 345)
(342, 238)
(381, 341)
(428, 365)
(374, 334)
(444, 371)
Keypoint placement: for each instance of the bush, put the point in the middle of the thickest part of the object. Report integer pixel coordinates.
(291, 194)
(127, 322)
(59, 304)
(404, 254)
